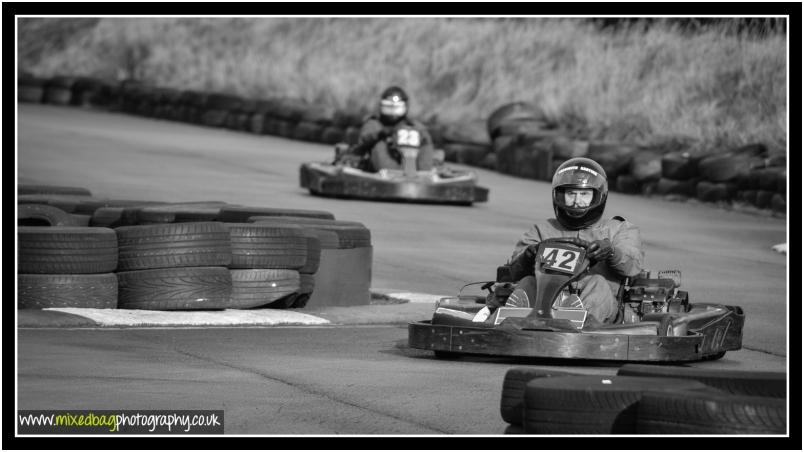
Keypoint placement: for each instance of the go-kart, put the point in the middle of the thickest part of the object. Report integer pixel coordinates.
(344, 178)
(655, 320)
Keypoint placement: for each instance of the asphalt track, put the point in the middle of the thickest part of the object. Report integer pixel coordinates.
(348, 379)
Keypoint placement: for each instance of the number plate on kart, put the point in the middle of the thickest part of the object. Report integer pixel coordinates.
(408, 138)
(561, 259)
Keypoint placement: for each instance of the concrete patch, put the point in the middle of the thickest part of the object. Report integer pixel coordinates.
(227, 317)
(780, 248)
(413, 297)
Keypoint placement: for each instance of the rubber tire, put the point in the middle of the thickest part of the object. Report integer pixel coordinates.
(701, 413)
(180, 213)
(313, 259)
(44, 215)
(746, 383)
(202, 244)
(169, 289)
(351, 234)
(30, 189)
(513, 390)
(257, 245)
(258, 287)
(236, 214)
(66, 250)
(590, 405)
(97, 291)
(509, 112)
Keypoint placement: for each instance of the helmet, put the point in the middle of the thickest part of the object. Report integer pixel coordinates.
(393, 105)
(579, 173)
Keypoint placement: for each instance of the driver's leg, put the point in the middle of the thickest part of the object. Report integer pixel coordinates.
(597, 298)
(381, 157)
(424, 161)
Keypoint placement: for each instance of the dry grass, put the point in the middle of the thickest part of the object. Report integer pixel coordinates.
(714, 87)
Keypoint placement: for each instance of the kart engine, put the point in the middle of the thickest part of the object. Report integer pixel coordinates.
(647, 295)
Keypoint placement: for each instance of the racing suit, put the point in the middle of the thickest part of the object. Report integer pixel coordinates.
(372, 142)
(599, 286)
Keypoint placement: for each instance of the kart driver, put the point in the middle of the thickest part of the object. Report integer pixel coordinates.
(373, 152)
(613, 245)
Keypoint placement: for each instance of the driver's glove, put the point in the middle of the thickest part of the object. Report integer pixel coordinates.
(600, 250)
(499, 295)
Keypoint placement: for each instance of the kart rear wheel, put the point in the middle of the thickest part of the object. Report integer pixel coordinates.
(665, 327)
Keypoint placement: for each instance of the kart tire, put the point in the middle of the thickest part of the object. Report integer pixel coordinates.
(513, 390)
(256, 245)
(306, 283)
(258, 287)
(307, 131)
(744, 383)
(97, 291)
(169, 245)
(44, 215)
(681, 413)
(764, 198)
(665, 327)
(168, 289)
(591, 404)
(241, 214)
(29, 189)
(66, 250)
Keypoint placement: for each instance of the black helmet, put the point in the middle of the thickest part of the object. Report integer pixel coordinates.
(393, 105)
(579, 173)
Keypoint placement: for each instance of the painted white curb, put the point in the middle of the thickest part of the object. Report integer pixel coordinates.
(780, 248)
(137, 317)
(413, 297)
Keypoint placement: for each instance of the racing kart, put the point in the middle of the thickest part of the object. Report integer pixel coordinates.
(655, 321)
(346, 179)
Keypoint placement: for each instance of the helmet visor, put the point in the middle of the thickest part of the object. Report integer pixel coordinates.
(393, 108)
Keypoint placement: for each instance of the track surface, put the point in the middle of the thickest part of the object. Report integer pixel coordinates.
(725, 257)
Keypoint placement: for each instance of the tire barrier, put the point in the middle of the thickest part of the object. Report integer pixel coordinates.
(171, 289)
(277, 261)
(519, 138)
(513, 391)
(591, 404)
(66, 250)
(202, 244)
(746, 383)
(682, 413)
(67, 291)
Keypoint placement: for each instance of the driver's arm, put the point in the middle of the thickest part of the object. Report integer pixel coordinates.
(523, 260)
(629, 255)
(371, 132)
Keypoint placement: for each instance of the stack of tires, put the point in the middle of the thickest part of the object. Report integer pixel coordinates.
(644, 399)
(215, 255)
(468, 143)
(522, 141)
(62, 263)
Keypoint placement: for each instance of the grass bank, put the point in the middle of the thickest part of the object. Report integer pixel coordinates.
(634, 84)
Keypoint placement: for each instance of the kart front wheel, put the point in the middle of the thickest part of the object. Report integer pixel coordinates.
(666, 326)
